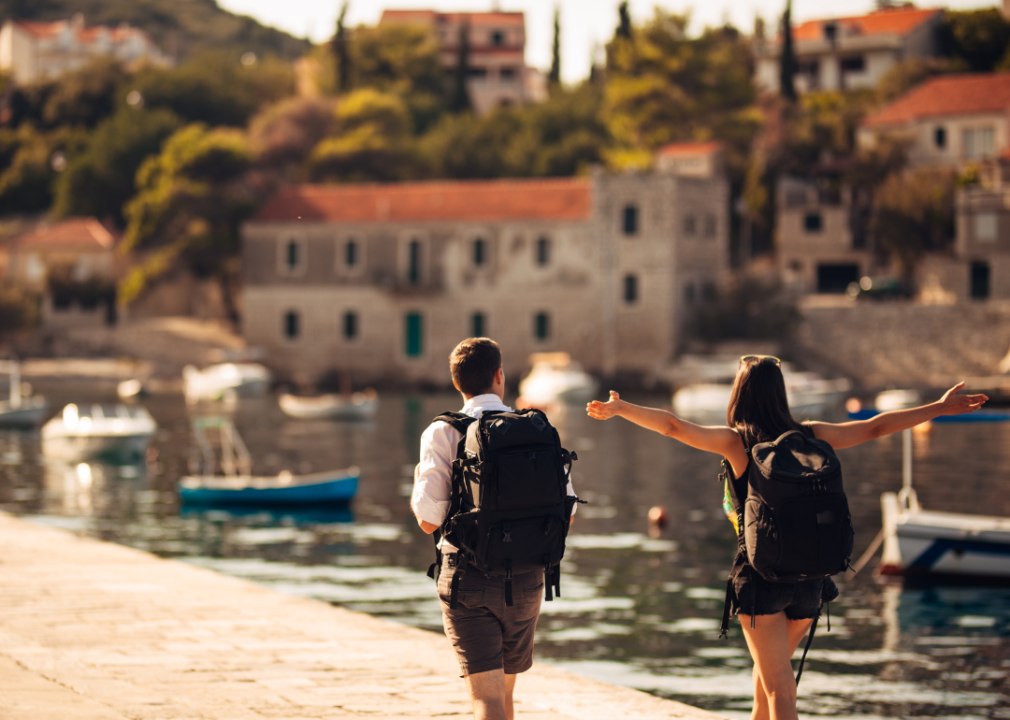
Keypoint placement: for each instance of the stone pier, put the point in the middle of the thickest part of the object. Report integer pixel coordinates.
(95, 631)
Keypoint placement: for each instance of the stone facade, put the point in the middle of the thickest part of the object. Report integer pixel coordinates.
(850, 53)
(601, 267)
(33, 51)
(983, 233)
(946, 122)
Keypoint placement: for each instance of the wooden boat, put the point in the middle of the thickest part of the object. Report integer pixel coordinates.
(19, 410)
(556, 378)
(238, 486)
(224, 381)
(92, 431)
(940, 545)
(358, 406)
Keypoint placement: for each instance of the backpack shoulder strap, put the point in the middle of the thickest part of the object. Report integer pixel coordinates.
(457, 420)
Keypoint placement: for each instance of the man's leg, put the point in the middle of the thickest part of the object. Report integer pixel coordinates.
(491, 694)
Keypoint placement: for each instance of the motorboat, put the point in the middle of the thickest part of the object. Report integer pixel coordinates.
(237, 486)
(224, 381)
(82, 432)
(357, 406)
(20, 409)
(130, 389)
(809, 395)
(940, 545)
(556, 378)
(896, 400)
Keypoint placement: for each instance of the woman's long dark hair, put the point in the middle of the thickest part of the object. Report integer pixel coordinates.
(758, 405)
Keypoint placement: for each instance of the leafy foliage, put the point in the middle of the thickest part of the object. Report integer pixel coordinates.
(751, 307)
(27, 158)
(191, 199)
(980, 39)
(283, 135)
(663, 86)
(83, 97)
(100, 180)
(915, 214)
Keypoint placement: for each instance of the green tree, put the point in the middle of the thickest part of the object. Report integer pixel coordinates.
(664, 86)
(787, 63)
(100, 180)
(914, 214)
(81, 97)
(283, 136)
(214, 88)
(460, 101)
(191, 199)
(980, 39)
(624, 21)
(341, 53)
(554, 77)
(373, 140)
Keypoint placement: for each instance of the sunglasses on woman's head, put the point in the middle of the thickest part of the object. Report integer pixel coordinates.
(759, 358)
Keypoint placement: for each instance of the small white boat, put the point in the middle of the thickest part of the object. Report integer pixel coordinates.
(897, 400)
(357, 406)
(809, 395)
(940, 545)
(555, 378)
(20, 409)
(236, 485)
(130, 389)
(224, 381)
(92, 431)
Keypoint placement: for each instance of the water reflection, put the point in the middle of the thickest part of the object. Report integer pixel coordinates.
(637, 608)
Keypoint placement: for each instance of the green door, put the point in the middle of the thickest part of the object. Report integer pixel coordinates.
(415, 332)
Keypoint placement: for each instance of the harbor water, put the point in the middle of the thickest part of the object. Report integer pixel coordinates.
(636, 609)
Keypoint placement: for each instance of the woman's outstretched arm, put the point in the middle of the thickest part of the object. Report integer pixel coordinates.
(843, 435)
(721, 440)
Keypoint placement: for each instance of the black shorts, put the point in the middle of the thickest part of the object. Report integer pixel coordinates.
(753, 595)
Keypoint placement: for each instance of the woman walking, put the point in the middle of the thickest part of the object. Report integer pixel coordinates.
(775, 616)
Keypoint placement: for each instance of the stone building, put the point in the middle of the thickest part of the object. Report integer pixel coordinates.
(496, 67)
(947, 121)
(33, 51)
(71, 265)
(983, 233)
(382, 281)
(822, 238)
(850, 53)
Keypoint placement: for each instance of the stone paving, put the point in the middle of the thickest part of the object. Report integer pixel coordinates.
(95, 631)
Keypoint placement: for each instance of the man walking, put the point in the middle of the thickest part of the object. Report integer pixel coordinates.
(493, 639)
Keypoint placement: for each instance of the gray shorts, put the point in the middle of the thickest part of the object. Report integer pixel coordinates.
(485, 633)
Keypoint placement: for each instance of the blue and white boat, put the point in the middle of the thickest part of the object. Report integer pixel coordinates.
(236, 485)
(940, 545)
(285, 489)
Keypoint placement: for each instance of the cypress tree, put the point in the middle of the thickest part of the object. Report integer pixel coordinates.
(460, 95)
(341, 55)
(787, 68)
(624, 27)
(555, 77)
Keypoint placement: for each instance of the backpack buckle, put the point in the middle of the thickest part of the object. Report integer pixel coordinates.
(508, 535)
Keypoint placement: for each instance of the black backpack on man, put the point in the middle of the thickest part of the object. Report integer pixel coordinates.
(509, 509)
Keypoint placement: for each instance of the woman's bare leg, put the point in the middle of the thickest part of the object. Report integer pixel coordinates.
(772, 642)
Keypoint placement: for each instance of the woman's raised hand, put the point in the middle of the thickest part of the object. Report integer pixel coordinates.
(953, 404)
(605, 410)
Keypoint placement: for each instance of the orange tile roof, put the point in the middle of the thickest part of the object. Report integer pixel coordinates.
(889, 21)
(479, 200)
(689, 148)
(948, 95)
(83, 34)
(41, 29)
(78, 232)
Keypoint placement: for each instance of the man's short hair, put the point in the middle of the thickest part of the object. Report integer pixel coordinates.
(473, 364)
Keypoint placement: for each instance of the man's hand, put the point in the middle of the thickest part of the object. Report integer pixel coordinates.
(953, 404)
(607, 410)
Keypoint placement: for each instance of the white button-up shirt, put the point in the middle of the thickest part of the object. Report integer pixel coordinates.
(433, 475)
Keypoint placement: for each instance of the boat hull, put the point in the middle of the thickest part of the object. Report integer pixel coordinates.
(30, 413)
(197, 491)
(941, 545)
(328, 408)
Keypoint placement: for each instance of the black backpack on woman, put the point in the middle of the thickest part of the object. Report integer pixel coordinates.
(509, 509)
(792, 517)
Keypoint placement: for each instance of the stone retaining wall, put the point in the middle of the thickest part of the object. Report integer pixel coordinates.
(881, 344)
